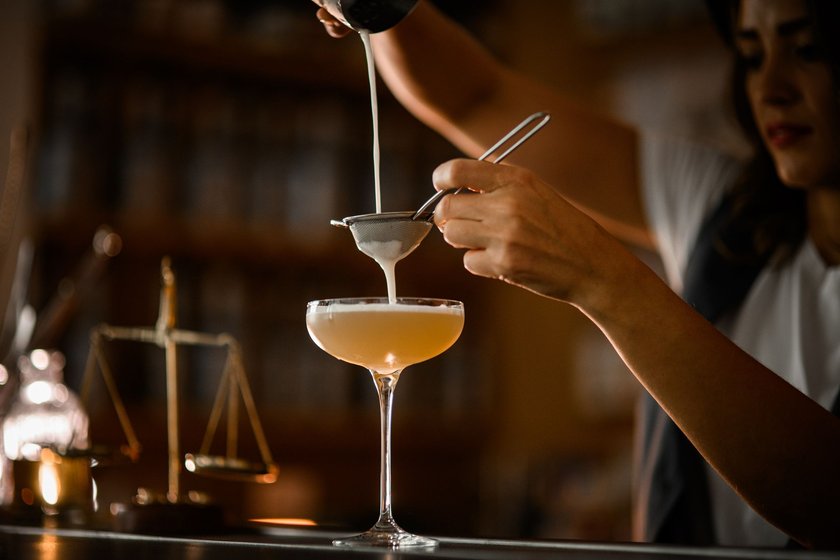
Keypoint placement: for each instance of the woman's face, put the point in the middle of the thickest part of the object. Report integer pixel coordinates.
(790, 90)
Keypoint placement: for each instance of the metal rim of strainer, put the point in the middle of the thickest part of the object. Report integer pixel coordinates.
(379, 217)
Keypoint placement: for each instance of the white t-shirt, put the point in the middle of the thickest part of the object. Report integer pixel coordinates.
(789, 320)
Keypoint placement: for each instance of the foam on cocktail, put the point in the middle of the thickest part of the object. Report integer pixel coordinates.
(396, 307)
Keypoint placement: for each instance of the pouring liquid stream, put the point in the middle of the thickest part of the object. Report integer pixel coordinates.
(374, 110)
(386, 254)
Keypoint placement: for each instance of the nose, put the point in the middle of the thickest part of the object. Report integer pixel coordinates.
(774, 81)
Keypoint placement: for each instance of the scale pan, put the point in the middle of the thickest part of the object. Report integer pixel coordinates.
(230, 467)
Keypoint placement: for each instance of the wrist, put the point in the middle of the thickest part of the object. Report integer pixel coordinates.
(622, 292)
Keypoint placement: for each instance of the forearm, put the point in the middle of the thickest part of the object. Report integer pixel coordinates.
(774, 445)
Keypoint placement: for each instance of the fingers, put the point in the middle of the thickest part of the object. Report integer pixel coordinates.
(462, 206)
(481, 176)
(333, 26)
(503, 190)
(504, 227)
(478, 262)
(464, 234)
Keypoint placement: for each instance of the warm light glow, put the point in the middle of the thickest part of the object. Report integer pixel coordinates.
(296, 521)
(39, 392)
(20, 434)
(27, 496)
(95, 495)
(47, 547)
(40, 359)
(30, 451)
(49, 483)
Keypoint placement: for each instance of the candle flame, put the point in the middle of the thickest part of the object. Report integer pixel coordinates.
(49, 484)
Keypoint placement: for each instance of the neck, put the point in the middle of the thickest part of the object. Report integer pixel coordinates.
(824, 223)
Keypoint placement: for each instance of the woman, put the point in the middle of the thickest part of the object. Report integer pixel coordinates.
(750, 395)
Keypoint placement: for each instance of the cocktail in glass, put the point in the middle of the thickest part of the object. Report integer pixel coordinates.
(385, 337)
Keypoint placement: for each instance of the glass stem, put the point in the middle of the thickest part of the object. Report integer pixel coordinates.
(385, 385)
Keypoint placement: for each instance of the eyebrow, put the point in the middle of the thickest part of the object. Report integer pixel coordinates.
(784, 29)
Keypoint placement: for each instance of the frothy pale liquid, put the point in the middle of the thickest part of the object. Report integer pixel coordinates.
(385, 338)
(386, 254)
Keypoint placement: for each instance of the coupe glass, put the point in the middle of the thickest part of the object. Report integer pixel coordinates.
(385, 337)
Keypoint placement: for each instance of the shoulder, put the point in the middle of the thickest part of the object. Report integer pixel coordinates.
(681, 180)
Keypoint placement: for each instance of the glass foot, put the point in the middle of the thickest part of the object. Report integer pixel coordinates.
(390, 536)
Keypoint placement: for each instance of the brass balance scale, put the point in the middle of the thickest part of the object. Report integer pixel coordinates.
(178, 511)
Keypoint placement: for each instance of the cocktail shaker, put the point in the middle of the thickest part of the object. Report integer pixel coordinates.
(369, 15)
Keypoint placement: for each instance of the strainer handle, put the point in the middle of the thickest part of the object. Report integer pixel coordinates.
(541, 119)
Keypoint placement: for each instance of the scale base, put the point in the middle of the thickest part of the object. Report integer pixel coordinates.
(163, 518)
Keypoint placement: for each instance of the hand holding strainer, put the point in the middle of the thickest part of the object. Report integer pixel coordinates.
(394, 235)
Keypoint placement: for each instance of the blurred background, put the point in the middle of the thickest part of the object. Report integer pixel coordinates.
(226, 135)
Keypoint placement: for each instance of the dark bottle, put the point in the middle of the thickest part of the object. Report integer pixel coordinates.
(369, 15)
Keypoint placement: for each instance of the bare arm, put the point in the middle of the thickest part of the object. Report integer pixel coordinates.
(775, 446)
(451, 83)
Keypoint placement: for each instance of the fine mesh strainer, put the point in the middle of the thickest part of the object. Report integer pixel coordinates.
(387, 236)
(391, 236)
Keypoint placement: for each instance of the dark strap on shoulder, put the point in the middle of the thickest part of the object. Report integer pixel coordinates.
(715, 283)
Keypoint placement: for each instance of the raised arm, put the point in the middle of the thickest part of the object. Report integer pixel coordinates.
(443, 76)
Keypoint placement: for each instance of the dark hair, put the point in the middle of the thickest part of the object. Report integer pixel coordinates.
(764, 210)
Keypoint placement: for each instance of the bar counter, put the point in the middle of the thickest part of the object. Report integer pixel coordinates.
(23, 543)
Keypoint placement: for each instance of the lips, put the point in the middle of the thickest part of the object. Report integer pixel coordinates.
(782, 134)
